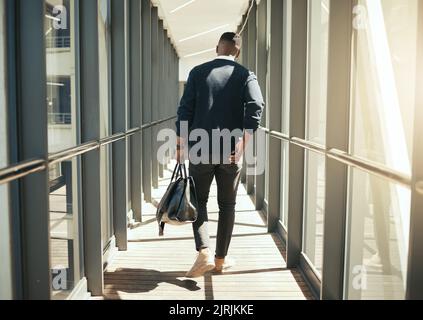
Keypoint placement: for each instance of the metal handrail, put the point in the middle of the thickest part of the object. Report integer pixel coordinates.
(25, 168)
(311, 146)
(133, 131)
(21, 166)
(114, 138)
(72, 152)
(276, 134)
(343, 157)
(25, 173)
(17, 171)
(370, 167)
(155, 123)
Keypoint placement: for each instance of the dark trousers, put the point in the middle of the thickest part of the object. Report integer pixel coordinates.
(227, 179)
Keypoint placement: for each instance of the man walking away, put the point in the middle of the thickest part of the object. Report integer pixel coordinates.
(219, 95)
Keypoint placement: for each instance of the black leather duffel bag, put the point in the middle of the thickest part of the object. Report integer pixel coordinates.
(179, 204)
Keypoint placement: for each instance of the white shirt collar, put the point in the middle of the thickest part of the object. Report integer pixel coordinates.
(231, 58)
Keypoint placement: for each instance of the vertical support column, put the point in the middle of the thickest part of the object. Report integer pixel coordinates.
(174, 73)
(155, 93)
(169, 96)
(135, 103)
(169, 85)
(146, 98)
(175, 78)
(172, 100)
(241, 54)
(163, 106)
(129, 215)
(340, 35)
(10, 7)
(177, 84)
(252, 51)
(166, 87)
(161, 84)
(261, 76)
(120, 96)
(297, 128)
(90, 130)
(339, 80)
(32, 93)
(244, 49)
(274, 112)
(415, 251)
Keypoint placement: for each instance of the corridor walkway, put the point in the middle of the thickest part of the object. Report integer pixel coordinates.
(154, 267)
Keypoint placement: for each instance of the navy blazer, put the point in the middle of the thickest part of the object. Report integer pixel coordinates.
(221, 94)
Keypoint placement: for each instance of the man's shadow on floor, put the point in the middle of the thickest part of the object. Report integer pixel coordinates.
(128, 280)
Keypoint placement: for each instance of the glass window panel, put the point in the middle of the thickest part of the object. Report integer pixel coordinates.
(62, 134)
(266, 174)
(3, 89)
(61, 74)
(104, 63)
(314, 207)
(5, 243)
(315, 180)
(106, 208)
(317, 70)
(286, 64)
(268, 40)
(105, 119)
(64, 230)
(286, 80)
(384, 83)
(6, 292)
(284, 183)
(377, 238)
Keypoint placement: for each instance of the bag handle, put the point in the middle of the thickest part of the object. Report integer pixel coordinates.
(176, 172)
(185, 175)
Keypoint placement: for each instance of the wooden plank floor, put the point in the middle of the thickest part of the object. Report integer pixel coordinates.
(154, 267)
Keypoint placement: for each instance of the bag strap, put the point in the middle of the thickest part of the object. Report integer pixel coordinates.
(176, 173)
(185, 175)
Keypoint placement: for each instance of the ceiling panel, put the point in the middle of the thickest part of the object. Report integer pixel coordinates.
(196, 25)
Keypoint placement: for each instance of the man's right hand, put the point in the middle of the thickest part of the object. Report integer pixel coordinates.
(240, 148)
(235, 158)
(180, 155)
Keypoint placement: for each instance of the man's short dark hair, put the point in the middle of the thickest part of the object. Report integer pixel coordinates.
(228, 36)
